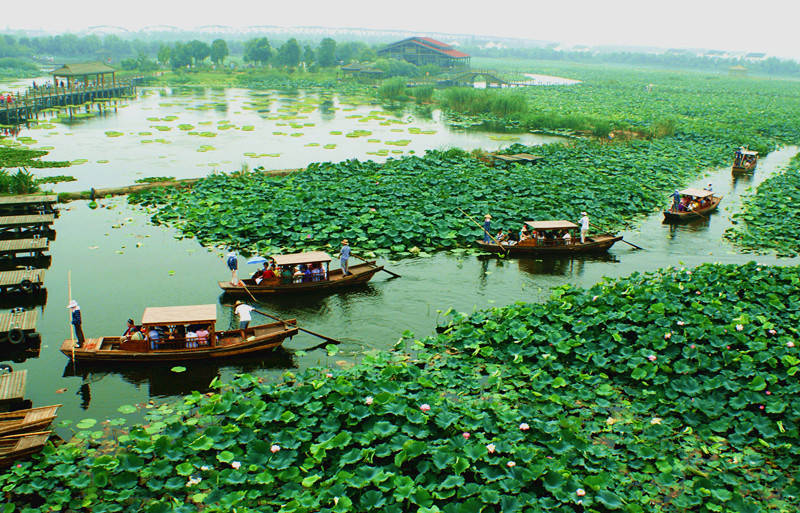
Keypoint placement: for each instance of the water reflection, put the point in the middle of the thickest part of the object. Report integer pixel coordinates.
(574, 266)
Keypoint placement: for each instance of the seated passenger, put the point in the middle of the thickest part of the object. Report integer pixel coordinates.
(501, 236)
(297, 277)
(286, 275)
(202, 336)
(307, 275)
(524, 234)
(191, 338)
(131, 329)
(317, 273)
(566, 237)
(155, 336)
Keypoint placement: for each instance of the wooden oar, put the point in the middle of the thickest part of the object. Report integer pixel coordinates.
(394, 275)
(329, 339)
(623, 240)
(505, 250)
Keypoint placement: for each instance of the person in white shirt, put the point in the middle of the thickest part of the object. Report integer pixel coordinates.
(584, 223)
(243, 311)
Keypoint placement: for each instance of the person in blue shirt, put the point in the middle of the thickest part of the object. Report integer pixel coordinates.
(76, 321)
(154, 337)
(676, 200)
(344, 256)
(487, 228)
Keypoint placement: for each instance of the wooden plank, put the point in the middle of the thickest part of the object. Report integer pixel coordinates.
(26, 320)
(27, 199)
(8, 278)
(23, 245)
(12, 385)
(27, 220)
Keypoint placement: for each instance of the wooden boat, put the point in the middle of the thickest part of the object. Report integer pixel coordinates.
(16, 447)
(712, 202)
(31, 419)
(175, 347)
(547, 239)
(329, 280)
(744, 161)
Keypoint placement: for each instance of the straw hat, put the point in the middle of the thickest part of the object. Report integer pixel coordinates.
(584, 214)
(345, 241)
(72, 304)
(487, 216)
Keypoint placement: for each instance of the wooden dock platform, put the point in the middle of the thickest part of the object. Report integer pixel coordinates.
(25, 281)
(24, 247)
(18, 226)
(28, 204)
(16, 327)
(12, 385)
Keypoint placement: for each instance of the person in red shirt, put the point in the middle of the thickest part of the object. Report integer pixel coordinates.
(266, 274)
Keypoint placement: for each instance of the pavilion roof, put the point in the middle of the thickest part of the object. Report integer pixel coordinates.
(82, 69)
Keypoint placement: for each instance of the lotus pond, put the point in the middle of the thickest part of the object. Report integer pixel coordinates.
(190, 132)
(671, 391)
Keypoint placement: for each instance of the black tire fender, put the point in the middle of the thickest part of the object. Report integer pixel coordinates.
(16, 336)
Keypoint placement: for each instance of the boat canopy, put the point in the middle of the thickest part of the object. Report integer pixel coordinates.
(551, 225)
(310, 257)
(747, 152)
(194, 314)
(697, 193)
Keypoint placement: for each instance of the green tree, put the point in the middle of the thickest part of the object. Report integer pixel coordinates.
(326, 53)
(289, 53)
(219, 50)
(198, 50)
(180, 56)
(164, 54)
(257, 50)
(308, 55)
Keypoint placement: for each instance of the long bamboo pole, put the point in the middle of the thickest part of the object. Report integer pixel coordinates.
(69, 300)
(505, 250)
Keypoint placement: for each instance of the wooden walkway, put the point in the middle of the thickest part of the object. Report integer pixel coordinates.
(12, 385)
(23, 280)
(25, 321)
(35, 247)
(28, 204)
(24, 107)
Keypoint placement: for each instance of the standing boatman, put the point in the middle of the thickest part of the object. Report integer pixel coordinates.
(76, 321)
(708, 188)
(676, 200)
(487, 228)
(584, 223)
(344, 256)
(233, 265)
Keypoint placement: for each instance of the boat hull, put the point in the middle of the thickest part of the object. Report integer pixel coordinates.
(230, 344)
(361, 274)
(595, 244)
(740, 170)
(678, 217)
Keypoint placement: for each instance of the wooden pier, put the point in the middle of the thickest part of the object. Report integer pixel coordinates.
(12, 385)
(16, 327)
(23, 281)
(34, 248)
(20, 226)
(28, 204)
(25, 107)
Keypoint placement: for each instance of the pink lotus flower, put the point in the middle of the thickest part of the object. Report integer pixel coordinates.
(739, 327)
(681, 323)
(652, 357)
(329, 375)
(595, 297)
(790, 344)
(692, 346)
(667, 335)
(697, 292)
(425, 407)
(465, 435)
(768, 392)
(772, 332)
(275, 448)
(368, 400)
(580, 492)
(236, 464)
(490, 448)
(524, 426)
(761, 407)
(511, 464)
(372, 210)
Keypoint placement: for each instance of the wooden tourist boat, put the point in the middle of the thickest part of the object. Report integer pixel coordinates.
(16, 447)
(176, 347)
(328, 280)
(550, 242)
(744, 161)
(31, 419)
(710, 201)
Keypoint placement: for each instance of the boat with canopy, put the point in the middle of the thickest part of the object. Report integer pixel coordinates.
(555, 237)
(693, 204)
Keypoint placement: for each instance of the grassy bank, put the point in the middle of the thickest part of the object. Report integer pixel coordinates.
(770, 219)
(665, 392)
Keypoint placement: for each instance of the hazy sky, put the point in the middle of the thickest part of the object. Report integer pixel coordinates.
(770, 26)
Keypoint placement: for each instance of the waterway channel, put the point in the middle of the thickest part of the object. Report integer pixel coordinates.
(119, 264)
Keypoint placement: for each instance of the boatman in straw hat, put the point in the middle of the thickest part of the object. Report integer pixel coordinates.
(584, 224)
(344, 256)
(487, 228)
(76, 321)
(243, 311)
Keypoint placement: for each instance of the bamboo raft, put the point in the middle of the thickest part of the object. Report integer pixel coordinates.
(26, 281)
